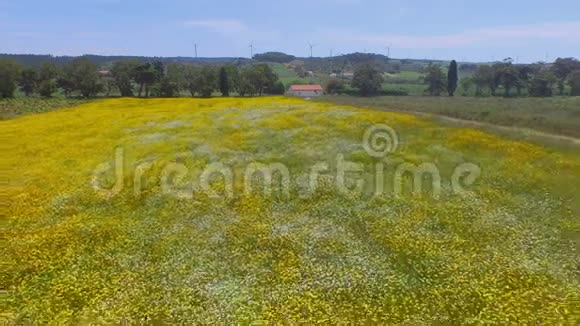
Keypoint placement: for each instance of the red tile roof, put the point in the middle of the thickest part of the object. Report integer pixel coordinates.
(306, 88)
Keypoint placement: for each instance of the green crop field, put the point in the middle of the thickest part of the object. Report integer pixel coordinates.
(277, 210)
(281, 70)
(558, 115)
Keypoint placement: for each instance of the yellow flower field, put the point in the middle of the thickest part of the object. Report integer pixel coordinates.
(161, 246)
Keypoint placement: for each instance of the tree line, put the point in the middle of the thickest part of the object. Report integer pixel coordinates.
(499, 79)
(81, 77)
(504, 78)
(37, 60)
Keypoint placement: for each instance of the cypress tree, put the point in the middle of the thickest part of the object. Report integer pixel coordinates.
(452, 78)
(224, 84)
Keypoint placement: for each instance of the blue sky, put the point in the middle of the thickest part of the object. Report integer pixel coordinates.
(528, 31)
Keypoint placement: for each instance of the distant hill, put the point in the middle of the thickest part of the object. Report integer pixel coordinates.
(105, 61)
(342, 63)
(276, 57)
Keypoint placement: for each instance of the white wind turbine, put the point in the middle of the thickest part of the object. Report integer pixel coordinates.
(252, 47)
(311, 47)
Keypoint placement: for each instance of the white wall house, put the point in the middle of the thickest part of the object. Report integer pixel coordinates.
(343, 75)
(306, 90)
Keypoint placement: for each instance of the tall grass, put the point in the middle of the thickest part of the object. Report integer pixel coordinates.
(558, 115)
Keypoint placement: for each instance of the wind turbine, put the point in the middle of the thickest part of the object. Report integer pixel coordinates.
(311, 47)
(388, 50)
(251, 46)
(195, 46)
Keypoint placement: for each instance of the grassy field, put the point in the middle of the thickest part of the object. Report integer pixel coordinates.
(289, 77)
(409, 88)
(404, 76)
(11, 108)
(407, 81)
(162, 245)
(558, 115)
(282, 71)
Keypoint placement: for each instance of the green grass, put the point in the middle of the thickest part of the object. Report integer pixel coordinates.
(289, 77)
(11, 108)
(410, 88)
(281, 70)
(558, 115)
(410, 76)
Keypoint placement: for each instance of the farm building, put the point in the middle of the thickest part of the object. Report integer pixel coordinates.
(306, 90)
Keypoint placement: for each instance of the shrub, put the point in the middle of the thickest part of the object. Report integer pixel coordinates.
(277, 89)
(334, 86)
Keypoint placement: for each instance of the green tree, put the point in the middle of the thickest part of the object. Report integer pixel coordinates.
(434, 79)
(85, 77)
(539, 87)
(277, 89)
(262, 77)
(123, 73)
(367, 79)
(484, 78)
(496, 80)
(173, 81)
(207, 81)
(574, 82)
(145, 76)
(47, 79)
(108, 82)
(9, 77)
(465, 85)
(562, 68)
(224, 82)
(159, 70)
(525, 72)
(233, 77)
(47, 87)
(452, 78)
(192, 80)
(65, 80)
(274, 57)
(334, 86)
(509, 78)
(28, 81)
(299, 70)
(246, 86)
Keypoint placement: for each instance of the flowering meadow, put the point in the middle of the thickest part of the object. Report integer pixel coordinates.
(504, 251)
